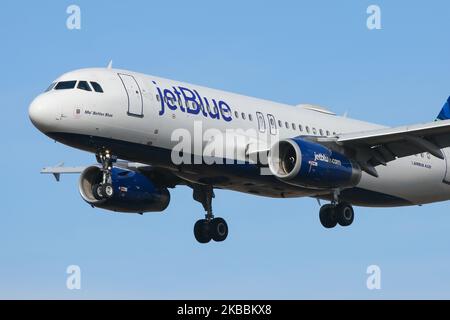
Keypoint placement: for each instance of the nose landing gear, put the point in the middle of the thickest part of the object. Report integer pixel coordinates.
(104, 189)
(210, 228)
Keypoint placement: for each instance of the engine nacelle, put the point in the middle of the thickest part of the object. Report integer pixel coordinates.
(303, 163)
(133, 192)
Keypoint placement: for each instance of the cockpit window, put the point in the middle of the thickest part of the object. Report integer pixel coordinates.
(64, 85)
(96, 87)
(84, 85)
(50, 87)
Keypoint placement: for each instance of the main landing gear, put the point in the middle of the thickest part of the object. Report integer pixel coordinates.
(330, 215)
(209, 228)
(104, 189)
(336, 213)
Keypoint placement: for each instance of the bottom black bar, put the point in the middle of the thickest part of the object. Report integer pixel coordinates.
(224, 309)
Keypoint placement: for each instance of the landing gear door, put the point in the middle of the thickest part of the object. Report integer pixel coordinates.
(135, 102)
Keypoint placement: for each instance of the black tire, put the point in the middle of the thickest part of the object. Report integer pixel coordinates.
(202, 231)
(219, 229)
(345, 214)
(327, 216)
(97, 191)
(107, 191)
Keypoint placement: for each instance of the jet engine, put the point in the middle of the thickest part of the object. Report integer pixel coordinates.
(308, 164)
(133, 191)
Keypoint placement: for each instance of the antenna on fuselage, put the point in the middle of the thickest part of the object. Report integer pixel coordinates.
(110, 64)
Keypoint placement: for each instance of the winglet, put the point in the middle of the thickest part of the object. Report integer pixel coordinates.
(445, 111)
(57, 175)
(110, 64)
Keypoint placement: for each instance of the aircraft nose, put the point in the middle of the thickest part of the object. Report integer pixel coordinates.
(39, 115)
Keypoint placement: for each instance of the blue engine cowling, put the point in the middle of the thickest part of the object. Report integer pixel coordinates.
(133, 191)
(304, 163)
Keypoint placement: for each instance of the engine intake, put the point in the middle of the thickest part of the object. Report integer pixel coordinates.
(133, 191)
(303, 163)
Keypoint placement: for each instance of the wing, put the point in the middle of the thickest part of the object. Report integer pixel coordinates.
(159, 176)
(375, 147)
(60, 169)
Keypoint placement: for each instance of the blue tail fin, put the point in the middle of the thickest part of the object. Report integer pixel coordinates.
(445, 111)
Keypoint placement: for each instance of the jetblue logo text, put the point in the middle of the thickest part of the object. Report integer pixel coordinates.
(325, 158)
(192, 102)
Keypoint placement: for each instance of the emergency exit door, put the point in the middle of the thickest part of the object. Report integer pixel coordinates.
(135, 102)
(446, 152)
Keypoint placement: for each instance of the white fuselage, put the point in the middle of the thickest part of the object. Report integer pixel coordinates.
(138, 115)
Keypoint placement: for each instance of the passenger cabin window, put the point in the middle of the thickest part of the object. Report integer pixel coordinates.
(236, 115)
(250, 117)
(65, 85)
(300, 127)
(97, 87)
(243, 116)
(84, 85)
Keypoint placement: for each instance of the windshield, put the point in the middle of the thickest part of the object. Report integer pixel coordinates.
(50, 87)
(64, 85)
(79, 84)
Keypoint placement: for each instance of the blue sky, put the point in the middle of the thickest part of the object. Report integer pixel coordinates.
(294, 52)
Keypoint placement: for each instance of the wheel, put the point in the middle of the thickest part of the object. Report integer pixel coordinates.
(219, 229)
(345, 214)
(327, 216)
(97, 191)
(107, 190)
(202, 231)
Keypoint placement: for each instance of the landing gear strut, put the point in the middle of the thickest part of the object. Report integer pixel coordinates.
(336, 213)
(210, 228)
(104, 189)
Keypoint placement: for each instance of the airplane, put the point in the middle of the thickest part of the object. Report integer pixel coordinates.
(134, 123)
